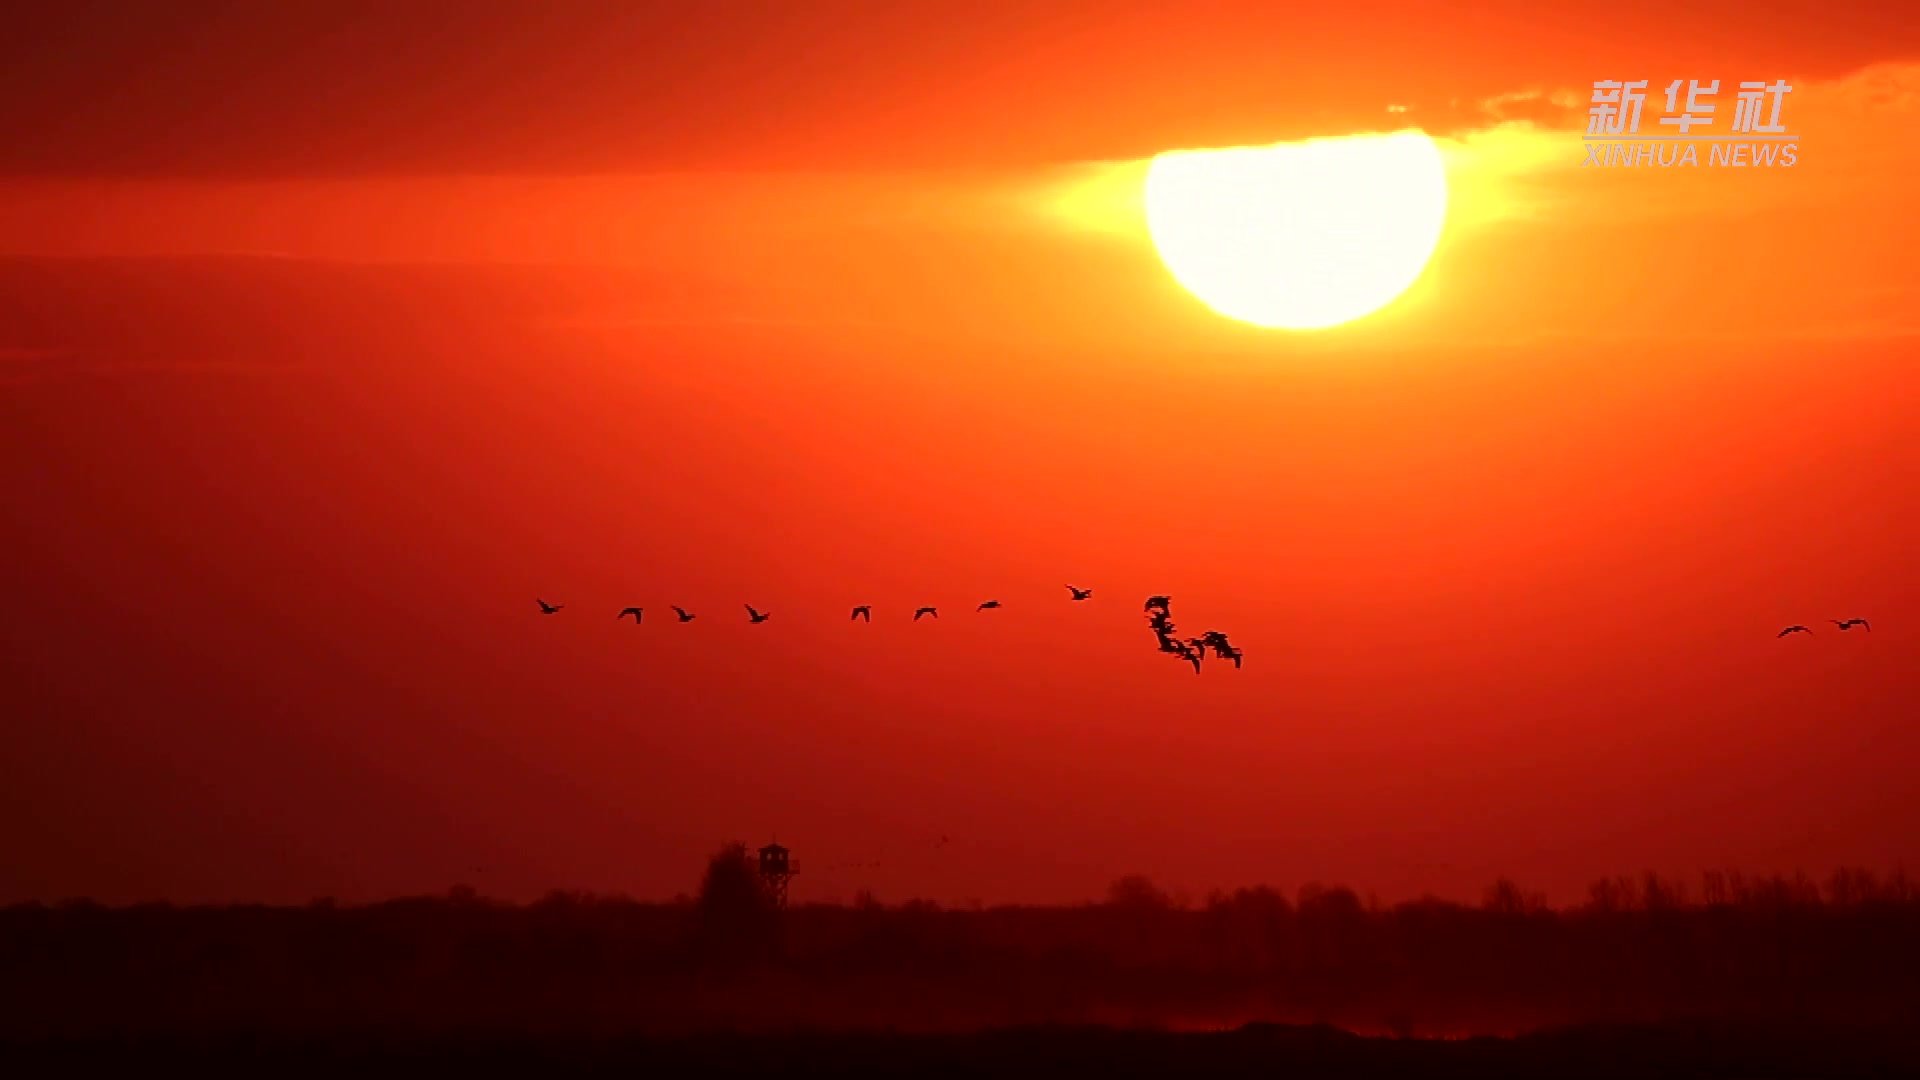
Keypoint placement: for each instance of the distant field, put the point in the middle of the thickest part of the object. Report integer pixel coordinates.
(1255, 1050)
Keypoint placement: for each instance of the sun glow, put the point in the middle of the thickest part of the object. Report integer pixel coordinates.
(1301, 235)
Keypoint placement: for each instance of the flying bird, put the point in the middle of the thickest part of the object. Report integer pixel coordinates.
(546, 608)
(755, 616)
(1222, 648)
(1794, 629)
(924, 611)
(1849, 624)
(1079, 594)
(862, 612)
(1191, 651)
(987, 605)
(1217, 641)
(633, 611)
(683, 613)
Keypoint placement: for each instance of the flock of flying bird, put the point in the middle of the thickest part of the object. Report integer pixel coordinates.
(1192, 650)
(1159, 618)
(1844, 624)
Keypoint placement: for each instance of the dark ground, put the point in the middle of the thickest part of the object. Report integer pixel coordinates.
(1761, 978)
(1672, 1050)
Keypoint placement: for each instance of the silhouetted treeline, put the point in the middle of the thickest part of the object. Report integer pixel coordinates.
(1842, 950)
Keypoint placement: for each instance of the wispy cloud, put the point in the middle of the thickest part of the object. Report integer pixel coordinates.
(1528, 161)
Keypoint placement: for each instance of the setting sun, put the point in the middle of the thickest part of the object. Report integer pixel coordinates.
(1299, 236)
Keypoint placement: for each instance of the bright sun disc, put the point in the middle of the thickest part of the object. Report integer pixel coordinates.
(1300, 235)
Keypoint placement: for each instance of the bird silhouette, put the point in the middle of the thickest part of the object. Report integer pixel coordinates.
(1079, 594)
(1161, 602)
(755, 616)
(987, 605)
(1849, 624)
(1191, 651)
(1794, 629)
(633, 611)
(1223, 648)
(862, 612)
(924, 611)
(683, 613)
(546, 608)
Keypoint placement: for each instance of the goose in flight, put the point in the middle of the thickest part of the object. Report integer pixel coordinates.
(546, 608)
(755, 616)
(1794, 629)
(633, 611)
(862, 612)
(924, 611)
(1186, 650)
(987, 605)
(1848, 624)
(683, 614)
(1079, 594)
(1216, 641)
(1221, 647)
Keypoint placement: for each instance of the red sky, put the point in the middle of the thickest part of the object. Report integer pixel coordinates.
(332, 336)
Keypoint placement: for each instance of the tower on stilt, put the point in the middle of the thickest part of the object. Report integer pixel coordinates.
(776, 869)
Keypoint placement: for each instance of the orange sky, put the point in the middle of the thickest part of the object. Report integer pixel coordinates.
(332, 335)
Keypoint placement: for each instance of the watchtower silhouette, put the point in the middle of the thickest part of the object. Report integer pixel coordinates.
(776, 869)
